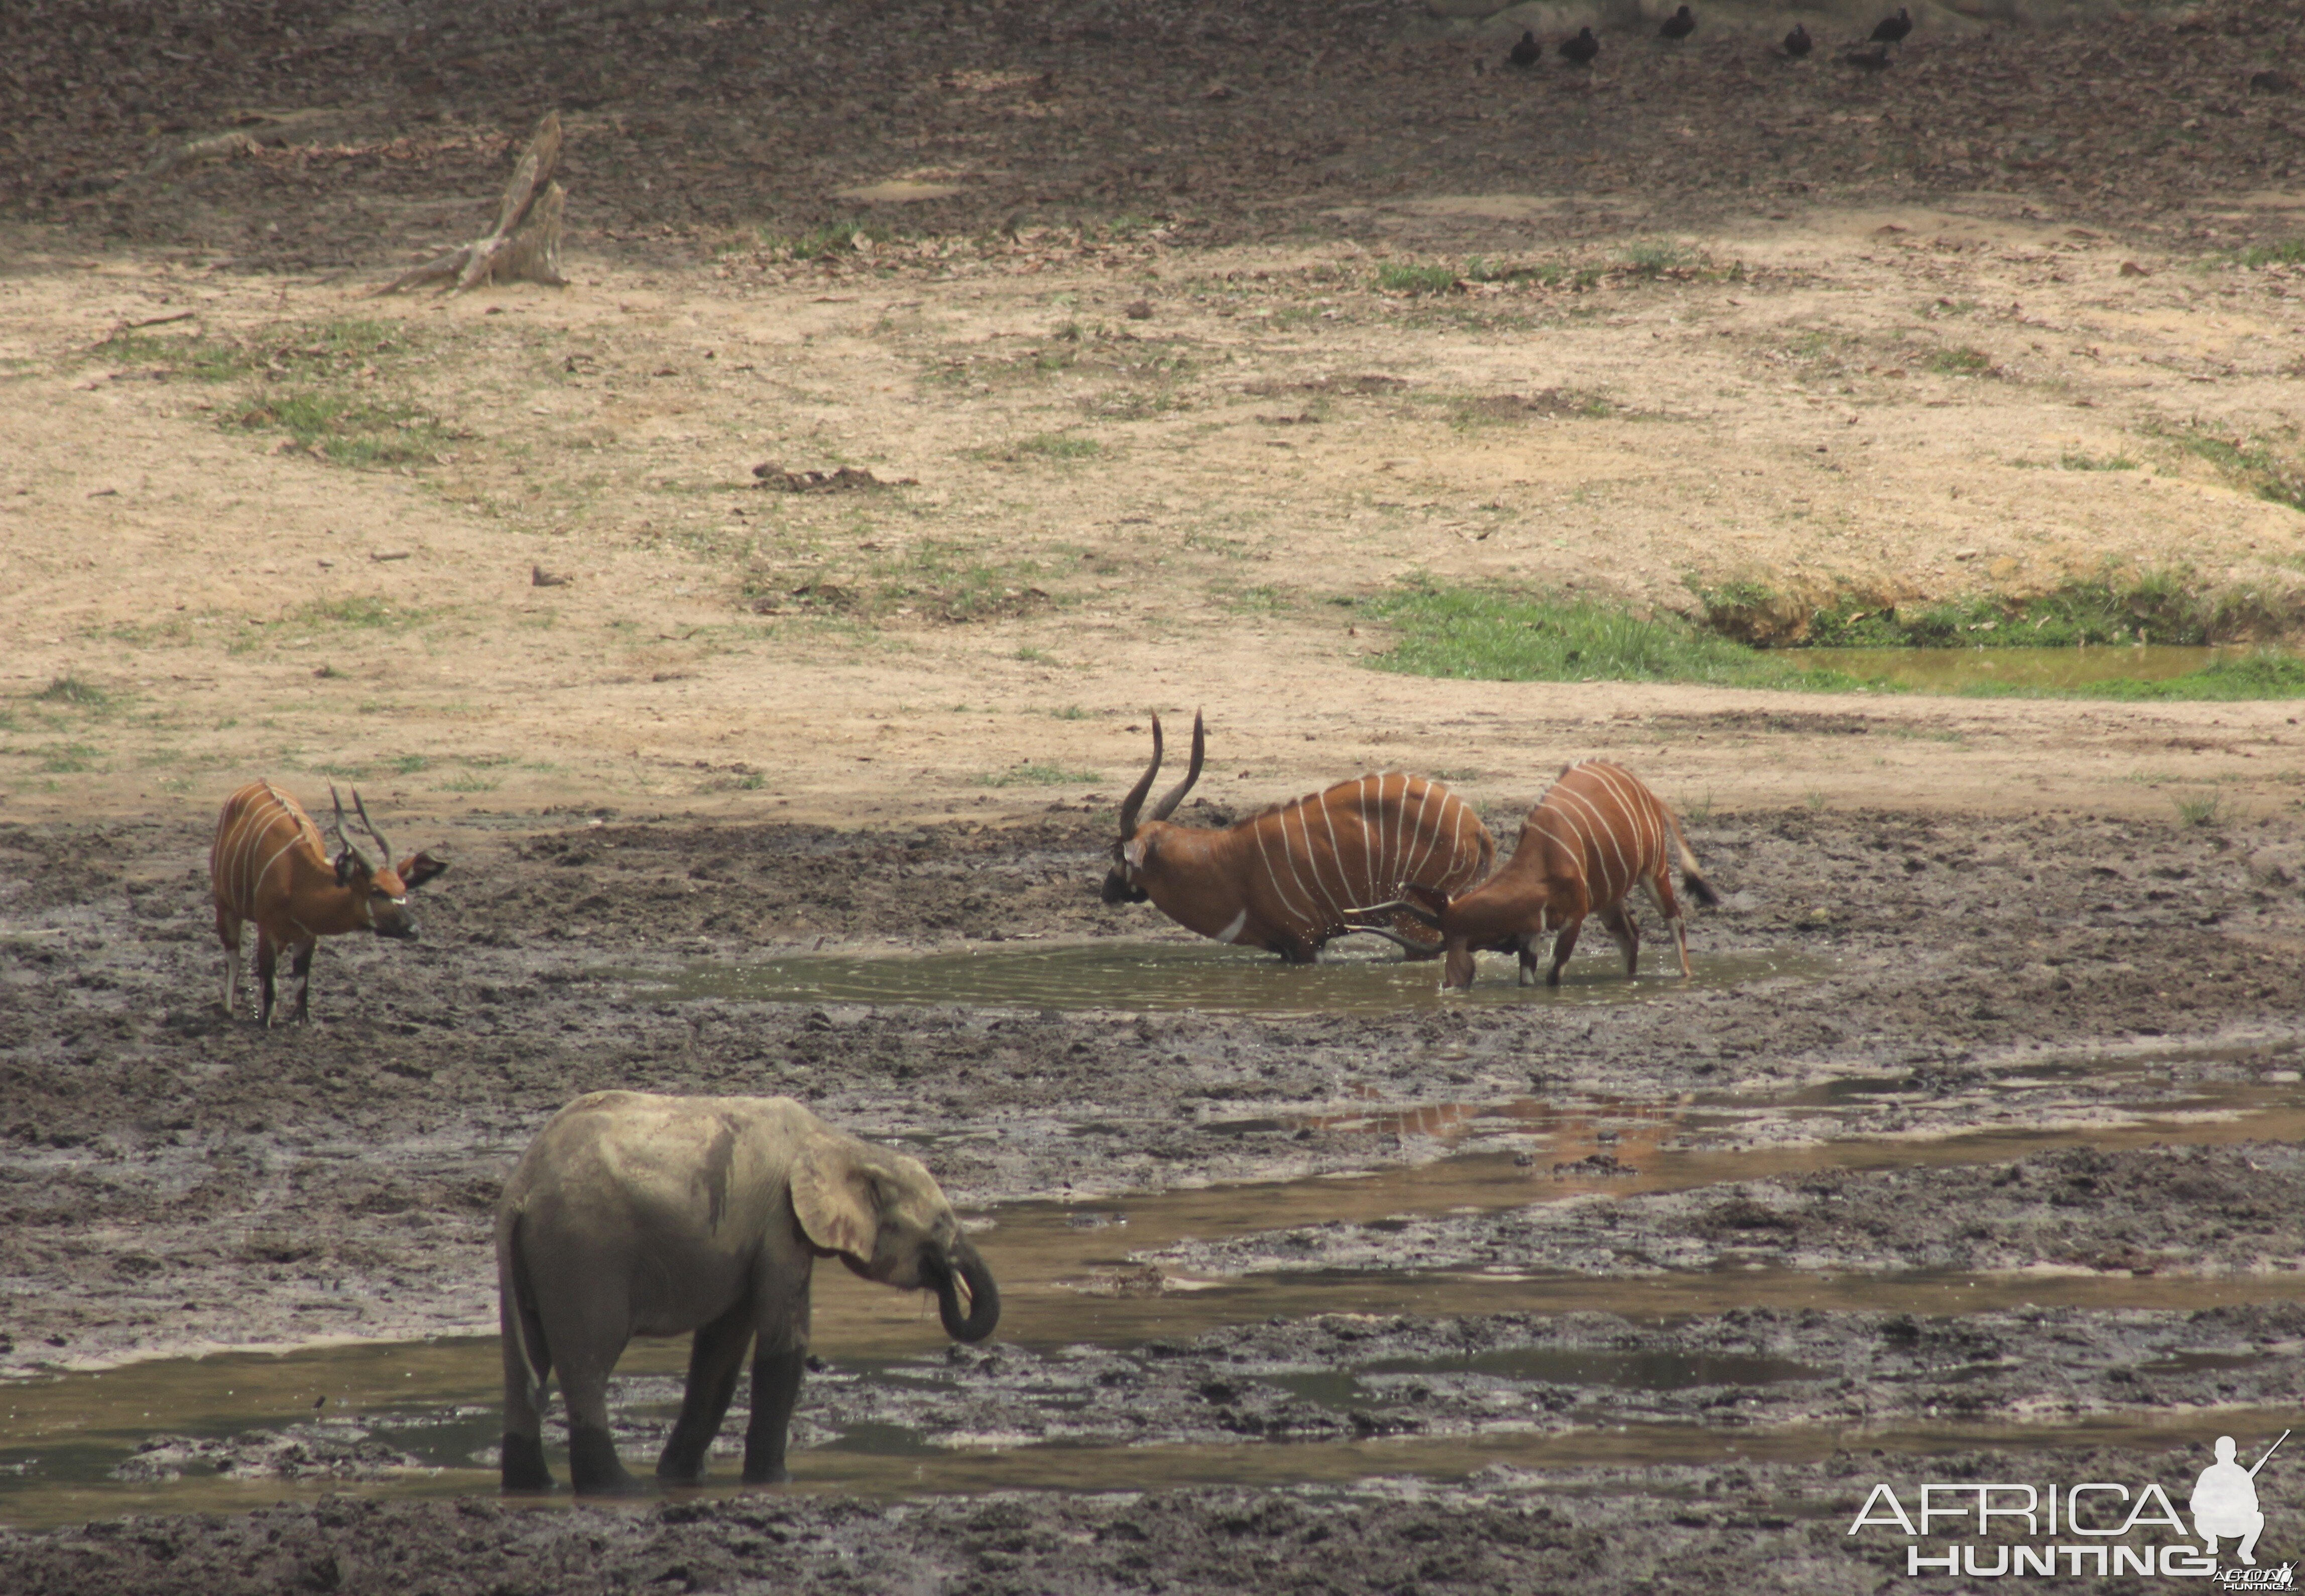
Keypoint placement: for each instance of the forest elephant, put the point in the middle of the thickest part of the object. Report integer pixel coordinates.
(633, 1214)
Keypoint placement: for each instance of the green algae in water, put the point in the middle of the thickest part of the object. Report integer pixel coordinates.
(2146, 671)
(1166, 976)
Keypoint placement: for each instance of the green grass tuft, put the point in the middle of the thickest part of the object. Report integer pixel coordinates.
(359, 611)
(2288, 252)
(2203, 811)
(1961, 362)
(1058, 445)
(349, 428)
(1396, 277)
(2158, 607)
(1037, 776)
(2263, 674)
(74, 689)
(1492, 636)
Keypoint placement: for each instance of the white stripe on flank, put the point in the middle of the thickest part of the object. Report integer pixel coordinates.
(1233, 929)
(1336, 859)
(1264, 857)
(1367, 843)
(1423, 834)
(1317, 894)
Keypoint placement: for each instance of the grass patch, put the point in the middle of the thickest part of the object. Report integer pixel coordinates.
(1055, 446)
(2204, 811)
(2154, 608)
(2250, 461)
(1490, 634)
(65, 758)
(1037, 776)
(2096, 463)
(1961, 362)
(2288, 252)
(936, 578)
(1069, 713)
(1395, 276)
(1494, 635)
(2263, 674)
(359, 610)
(1654, 261)
(75, 690)
(309, 385)
(308, 349)
(349, 428)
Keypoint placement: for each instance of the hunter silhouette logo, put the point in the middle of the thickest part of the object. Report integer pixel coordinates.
(2224, 1501)
(2101, 1528)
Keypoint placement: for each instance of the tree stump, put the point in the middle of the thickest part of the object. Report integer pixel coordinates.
(524, 245)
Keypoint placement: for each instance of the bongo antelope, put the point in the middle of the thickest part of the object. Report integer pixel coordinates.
(268, 866)
(1595, 835)
(1282, 878)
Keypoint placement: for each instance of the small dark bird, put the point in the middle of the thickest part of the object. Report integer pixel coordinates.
(1679, 25)
(1875, 59)
(1581, 49)
(1798, 43)
(1527, 52)
(1892, 30)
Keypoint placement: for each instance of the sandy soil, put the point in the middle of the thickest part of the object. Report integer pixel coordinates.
(1978, 323)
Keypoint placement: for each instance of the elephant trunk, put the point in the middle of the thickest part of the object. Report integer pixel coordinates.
(965, 1267)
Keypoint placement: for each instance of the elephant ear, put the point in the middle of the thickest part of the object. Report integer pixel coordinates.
(832, 1197)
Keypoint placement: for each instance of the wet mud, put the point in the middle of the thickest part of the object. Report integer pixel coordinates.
(2047, 1062)
(2187, 1210)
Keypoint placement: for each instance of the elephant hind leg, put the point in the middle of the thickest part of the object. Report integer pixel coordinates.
(527, 1366)
(716, 1360)
(588, 1332)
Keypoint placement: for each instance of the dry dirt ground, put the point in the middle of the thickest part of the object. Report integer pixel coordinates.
(1176, 338)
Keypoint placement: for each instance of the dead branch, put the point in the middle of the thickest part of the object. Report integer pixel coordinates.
(524, 245)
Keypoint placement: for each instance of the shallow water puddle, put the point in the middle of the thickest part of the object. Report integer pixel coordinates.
(1067, 1279)
(891, 1464)
(1357, 977)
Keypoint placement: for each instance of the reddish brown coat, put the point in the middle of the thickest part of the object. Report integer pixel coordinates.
(1596, 834)
(1286, 878)
(269, 867)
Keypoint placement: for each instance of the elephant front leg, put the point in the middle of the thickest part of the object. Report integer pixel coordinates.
(715, 1360)
(776, 1388)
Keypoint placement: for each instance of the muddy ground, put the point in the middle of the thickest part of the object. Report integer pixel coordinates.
(162, 1155)
(174, 1180)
